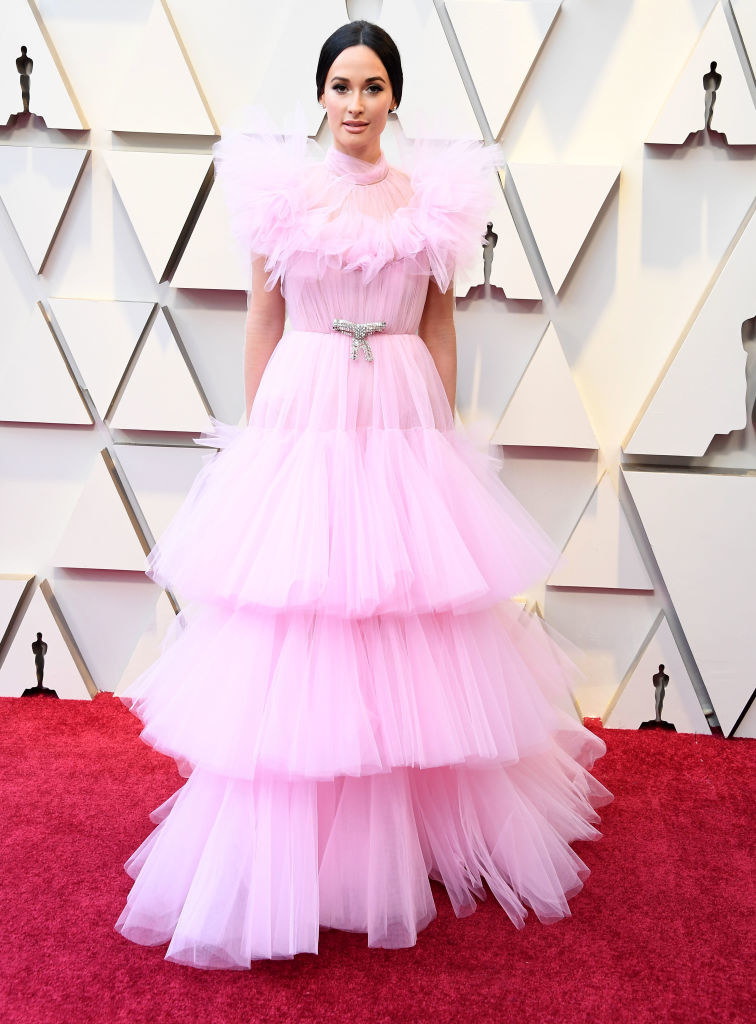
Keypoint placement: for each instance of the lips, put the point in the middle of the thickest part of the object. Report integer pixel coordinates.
(356, 124)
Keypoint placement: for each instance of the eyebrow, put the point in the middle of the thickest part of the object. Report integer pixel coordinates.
(343, 78)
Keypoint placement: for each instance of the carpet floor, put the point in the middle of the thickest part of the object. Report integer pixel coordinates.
(662, 931)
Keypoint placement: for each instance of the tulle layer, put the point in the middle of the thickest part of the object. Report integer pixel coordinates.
(350, 492)
(302, 695)
(240, 870)
(286, 205)
(355, 704)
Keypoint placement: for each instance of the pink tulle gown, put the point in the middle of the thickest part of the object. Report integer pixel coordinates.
(354, 700)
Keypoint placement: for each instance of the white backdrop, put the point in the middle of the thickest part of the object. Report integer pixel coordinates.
(609, 352)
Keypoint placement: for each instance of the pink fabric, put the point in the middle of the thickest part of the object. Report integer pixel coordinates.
(318, 215)
(356, 704)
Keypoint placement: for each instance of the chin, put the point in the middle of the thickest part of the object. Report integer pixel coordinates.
(356, 141)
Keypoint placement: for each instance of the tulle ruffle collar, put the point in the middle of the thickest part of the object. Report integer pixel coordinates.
(354, 169)
(304, 210)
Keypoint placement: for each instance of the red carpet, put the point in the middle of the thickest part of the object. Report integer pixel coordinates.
(662, 931)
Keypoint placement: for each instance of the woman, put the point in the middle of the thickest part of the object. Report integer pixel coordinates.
(357, 705)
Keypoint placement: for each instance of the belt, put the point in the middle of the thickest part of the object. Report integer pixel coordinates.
(359, 334)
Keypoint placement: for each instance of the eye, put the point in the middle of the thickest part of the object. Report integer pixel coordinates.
(340, 87)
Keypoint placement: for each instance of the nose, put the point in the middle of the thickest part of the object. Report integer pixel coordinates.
(355, 104)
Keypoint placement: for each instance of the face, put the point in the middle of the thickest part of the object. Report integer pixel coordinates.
(357, 100)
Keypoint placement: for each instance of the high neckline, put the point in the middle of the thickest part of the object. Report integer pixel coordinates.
(360, 172)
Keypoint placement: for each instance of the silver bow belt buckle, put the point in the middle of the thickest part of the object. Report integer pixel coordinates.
(359, 334)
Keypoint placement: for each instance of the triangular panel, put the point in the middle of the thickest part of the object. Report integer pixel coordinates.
(416, 29)
(700, 527)
(49, 97)
(745, 16)
(62, 662)
(160, 393)
(546, 408)
(162, 626)
(703, 390)
(510, 269)
(160, 477)
(12, 588)
(518, 30)
(99, 534)
(101, 336)
(733, 112)
(601, 552)
(212, 257)
(164, 98)
(635, 700)
(36, 183)
(35, 383)
(158, 191)
(561, 202)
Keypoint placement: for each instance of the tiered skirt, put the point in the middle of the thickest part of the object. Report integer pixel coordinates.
(354, 700)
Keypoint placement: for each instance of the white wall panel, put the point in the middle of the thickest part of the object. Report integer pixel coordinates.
(212, 334)
(160, 476)
(42, 471)
(546, 408)
(493, 348)
(552, 488)
(510, 269)
(607, 629)
(703, 390)
(700, 527)
(36, 183)
(515, 32)
(635, 700)
(107, 612)
(561, 203)
(745, 16)
(35, 383)
(158, 191)
(434, 100)
(684, 111)
(161, 620)
(99, 534)
(257, 52)
(101, 336)
(13, 586)
(212, 258)
(160, 393)
(601, 551)
(49, 97)
(156, 91)
(61, 669)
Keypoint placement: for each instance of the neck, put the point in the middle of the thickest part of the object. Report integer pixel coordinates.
(370, 155)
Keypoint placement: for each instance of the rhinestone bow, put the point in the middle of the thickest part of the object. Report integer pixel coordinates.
(359, 334)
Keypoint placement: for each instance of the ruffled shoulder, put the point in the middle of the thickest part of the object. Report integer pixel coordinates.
(263, 174)
(454, 189)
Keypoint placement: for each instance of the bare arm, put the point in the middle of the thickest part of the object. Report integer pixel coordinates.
(438, 332)
(265, 322)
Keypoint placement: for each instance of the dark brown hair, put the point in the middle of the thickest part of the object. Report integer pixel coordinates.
(361, 33)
